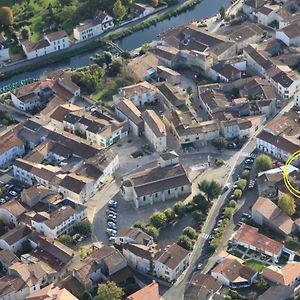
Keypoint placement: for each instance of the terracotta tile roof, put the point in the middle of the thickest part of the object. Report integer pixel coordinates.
(51, 292)
(11, 284)
(171, 255)
(130, 111)
(149, 292)
(139, 236)
(285, 276)
(14, 235)
(154, 122)
(249, 235)
(14, 207)
(234, 271)
(56, 35)
(9, 140)
(137, 89)
(273, 214)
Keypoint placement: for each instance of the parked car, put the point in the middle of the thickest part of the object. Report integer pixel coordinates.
(246, 215)
(112, 225)
(111, 216)
(111, 209)
(111, 212)
(226, 187)
(249, 161)
(232, 146)
(112, 239)
(2, 200)
(248, 168)
(199, 266)
(111, 231)
(112, 203)
(13, 193)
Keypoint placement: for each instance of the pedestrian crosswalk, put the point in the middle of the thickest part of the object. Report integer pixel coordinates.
(204, 235)
(247, 154)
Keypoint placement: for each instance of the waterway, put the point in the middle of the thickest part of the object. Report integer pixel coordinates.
(206, 8)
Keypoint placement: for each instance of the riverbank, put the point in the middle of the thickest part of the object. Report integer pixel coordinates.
(83, 47)
(189, 4)
(81, 57)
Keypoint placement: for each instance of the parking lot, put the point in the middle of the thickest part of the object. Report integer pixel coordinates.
(12, 188)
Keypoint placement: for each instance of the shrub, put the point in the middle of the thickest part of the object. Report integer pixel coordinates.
(228, 213)
(83, 228)
(245, 175)
(232, 203)
(179, 208)
(153, 231)
(139, 224)
(242, 183)
(190, 232)
(185, 242)
(158, 219)
(219, 162)
(170, 214)
(198, 216)
(237, 193)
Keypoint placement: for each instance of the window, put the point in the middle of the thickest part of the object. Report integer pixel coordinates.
(156, 195)
(169, 192)
(182, 188)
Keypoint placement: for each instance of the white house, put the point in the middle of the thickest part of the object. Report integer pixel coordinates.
(237, 128)
(155, 130)
(54, 41)
(266, 15)
(142, 93)
(234, 274)
(4, 50)
(138, 256)
(279, 146)
(11, 147)
(170, 261)
(11, 211)
(141, 9)
(290, 35)
(13, 239)
(58, 222)
(133, 235)
(126, 110)
(93, 27)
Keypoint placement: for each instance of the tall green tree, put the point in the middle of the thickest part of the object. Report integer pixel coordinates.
(211, 189)
(263, 163)
(219, 142)
(109, 291)
(119, 10)
(158, 219)
(222, 12)
(6, 16)
(287, 204)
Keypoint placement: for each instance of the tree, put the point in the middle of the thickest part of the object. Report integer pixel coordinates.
(227, 297)
(219, 142)
(241, 184)
(237, 193)
(197, 215)
(109, 291)
(139, 224)
(170, 214)
(222, 12)
(232, 203)
(158, 219)
(153, 231)
(115, 68)
(154, 3)
(65, 239)
(228, 212)
(211, 189)
(185, 242)
(119, 10)
(25, 33)
(83, 228)
(179, 208)
(287, 204)
(189, 90)
(263, 163)
(190, 232)
(107, 57)
(6, 16)
(201, 203)
(245, 175)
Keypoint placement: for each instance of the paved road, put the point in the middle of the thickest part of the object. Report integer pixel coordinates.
(201, 249)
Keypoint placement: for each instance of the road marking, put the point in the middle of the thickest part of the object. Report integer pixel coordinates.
(246, 154)
(204, 235)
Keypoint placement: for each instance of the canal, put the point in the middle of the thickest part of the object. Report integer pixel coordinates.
(206, 8)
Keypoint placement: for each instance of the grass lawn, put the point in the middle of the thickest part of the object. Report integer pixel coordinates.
(108, 88)
(257, 266)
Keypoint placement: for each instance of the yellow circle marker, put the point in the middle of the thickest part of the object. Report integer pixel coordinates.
(286, 180)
